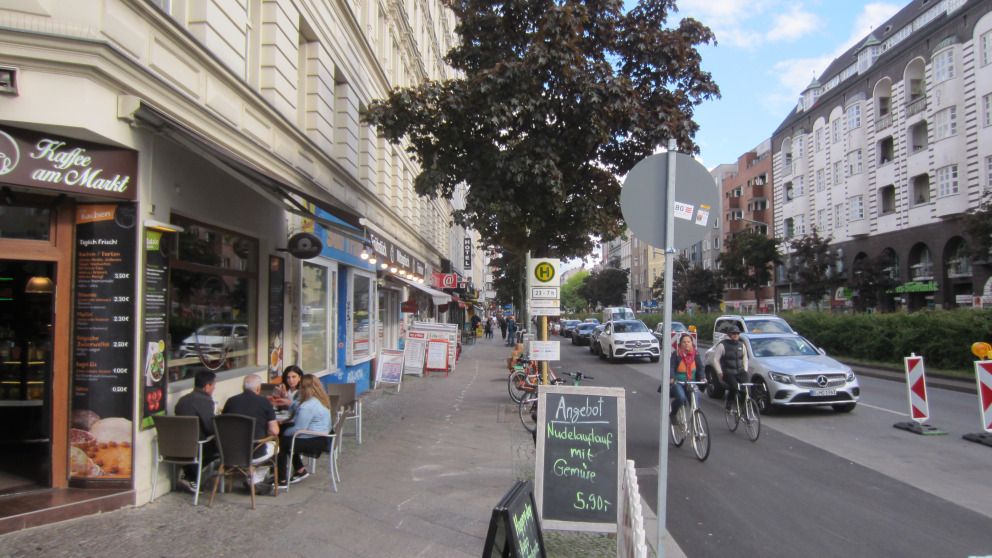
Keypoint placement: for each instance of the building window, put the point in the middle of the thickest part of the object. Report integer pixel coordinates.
(854, 162)
(212, 284)
(839, 216)
(947, 180)
(853, 117)
(800, 225)
(818, 139)
(821, 180)
(821, 220)
(987, 110)
(986, 49)
(318, 287)
(790, 229)
(946, 123)
(835, 130)
(799, 188)
(887, 197)
(800, 151)
(361, 341)
(857, 208)
(988, 172)
(838, 172)
(943, 66)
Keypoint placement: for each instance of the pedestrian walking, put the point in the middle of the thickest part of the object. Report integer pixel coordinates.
(502, 327)
(511, 331)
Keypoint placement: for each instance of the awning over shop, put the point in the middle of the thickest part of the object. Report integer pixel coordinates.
(269, 186)
(438, 296)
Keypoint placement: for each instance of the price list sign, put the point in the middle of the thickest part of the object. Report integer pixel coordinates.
(104, 348)
(153, 397)
(581, 444)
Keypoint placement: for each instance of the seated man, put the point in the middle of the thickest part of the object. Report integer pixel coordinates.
(252, 404)
(199, 403)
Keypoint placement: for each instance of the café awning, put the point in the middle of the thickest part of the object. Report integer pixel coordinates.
(438, 296)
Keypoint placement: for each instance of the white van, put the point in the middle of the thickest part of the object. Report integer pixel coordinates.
(612, 313)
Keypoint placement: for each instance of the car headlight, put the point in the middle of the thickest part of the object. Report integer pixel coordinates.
(780, 378)
(850, 375)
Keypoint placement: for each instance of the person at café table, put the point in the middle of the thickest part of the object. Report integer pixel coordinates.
(199, 403)
(288, 396)
(251, 403)
(314, 414)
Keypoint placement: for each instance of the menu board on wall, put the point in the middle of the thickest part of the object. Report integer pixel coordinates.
(581, 446)
(154, 393)
(103, 342)
(277, 305)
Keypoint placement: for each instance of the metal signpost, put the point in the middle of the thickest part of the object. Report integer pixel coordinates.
(663, 207)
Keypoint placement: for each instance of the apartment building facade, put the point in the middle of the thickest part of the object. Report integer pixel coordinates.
(888, 148)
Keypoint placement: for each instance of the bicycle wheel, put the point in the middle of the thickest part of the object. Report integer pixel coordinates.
(733, 418)
(678, 427)
(700, 435)
(752, 421)
(528, 414)
(518, 386)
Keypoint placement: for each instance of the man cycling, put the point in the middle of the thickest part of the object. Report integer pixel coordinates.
(730, 361)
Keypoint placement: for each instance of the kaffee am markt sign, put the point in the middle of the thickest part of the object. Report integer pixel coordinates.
(29, 158)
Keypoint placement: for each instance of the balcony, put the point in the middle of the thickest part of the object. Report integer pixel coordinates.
(922, 271)
(883, 122)
(916, 107)
(959, 267)
(759, 191)
(732, 203)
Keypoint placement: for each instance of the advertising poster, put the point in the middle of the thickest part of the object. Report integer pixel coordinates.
(389, 368)
(103, 343)
(154, 387)
(277, 287)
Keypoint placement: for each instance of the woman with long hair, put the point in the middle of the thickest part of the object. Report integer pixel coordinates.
(686, 364)
(313, 414)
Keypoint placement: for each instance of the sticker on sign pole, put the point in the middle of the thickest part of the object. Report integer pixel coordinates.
(702, 215)
(683, 211)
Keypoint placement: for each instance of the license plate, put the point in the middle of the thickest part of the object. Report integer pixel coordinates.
(822, 392)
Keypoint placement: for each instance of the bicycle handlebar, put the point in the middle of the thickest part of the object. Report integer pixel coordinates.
(577, 375)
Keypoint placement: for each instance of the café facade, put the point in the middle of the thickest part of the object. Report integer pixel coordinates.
(146, 235)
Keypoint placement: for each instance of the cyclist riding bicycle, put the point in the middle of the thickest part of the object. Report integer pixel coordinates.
(730, 362)
(686, 365)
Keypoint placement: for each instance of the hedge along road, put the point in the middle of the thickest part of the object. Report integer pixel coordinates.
(817, 482)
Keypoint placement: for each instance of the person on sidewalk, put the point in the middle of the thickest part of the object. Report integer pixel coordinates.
(314, 414)
(250, 402)
(199, 403)
(511, 332)
(487, 330)
(502, 327)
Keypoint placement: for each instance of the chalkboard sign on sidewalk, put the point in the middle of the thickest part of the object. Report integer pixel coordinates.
(515, 529)
(581, 449)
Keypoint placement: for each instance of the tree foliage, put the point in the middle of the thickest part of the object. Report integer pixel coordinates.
(553, 101)
(978, 227)
(816, 266)
(870, 279)
(606, 287)
(746, 260)
(680, 285)
(570, 298)
(690, 284)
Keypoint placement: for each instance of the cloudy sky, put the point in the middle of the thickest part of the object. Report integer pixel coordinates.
(768, 51)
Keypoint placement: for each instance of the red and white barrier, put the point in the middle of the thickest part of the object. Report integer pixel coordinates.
(983, 375)
(919, 409)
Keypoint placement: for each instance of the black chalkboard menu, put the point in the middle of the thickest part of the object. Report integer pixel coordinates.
(515, 528)
(581, 449)
(103, 342)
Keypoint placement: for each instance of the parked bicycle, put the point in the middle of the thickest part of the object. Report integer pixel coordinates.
(528, 407)
(692, 423)
(749, 414)
(524, 379)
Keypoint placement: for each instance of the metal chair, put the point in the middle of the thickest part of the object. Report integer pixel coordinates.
(312, 457)
(348, 406)
(179, 443)
(234, 439)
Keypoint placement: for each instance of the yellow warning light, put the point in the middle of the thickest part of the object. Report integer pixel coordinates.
(981, 349)
(692, 328)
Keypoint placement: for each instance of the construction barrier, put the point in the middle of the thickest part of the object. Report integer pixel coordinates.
(916, 390)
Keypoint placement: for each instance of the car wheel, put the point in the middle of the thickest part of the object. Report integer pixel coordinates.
(763, 398)
(613, 358)
(591, 350)
(655, 359)
(714, 389)
(844, 407)
(599, 351)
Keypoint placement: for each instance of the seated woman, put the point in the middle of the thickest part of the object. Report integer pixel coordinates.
(313, 414)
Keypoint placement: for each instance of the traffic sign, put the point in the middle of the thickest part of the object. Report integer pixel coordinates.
(545, 311)
(544, 292)
(544, 272)
(539, 303)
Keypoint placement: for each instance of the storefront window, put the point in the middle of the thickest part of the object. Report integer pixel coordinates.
(361, 318)
(25, 223)
(317, 316)
(212, 292)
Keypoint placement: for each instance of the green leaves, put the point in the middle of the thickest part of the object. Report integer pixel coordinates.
(554, 101)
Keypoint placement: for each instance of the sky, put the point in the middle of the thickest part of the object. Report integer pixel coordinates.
(768, 51)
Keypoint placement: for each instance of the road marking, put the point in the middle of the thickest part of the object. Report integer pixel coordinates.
(883, 409)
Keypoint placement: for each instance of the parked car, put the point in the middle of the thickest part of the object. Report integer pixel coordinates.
(216, 341)
(766, 323)
(677, 327)
(591, 321)
(789, 370)
(581, 333)
(628, 339)
(594, 338)
(567, 326)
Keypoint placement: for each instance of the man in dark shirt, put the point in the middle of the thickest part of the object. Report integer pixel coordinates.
(199, 403)
(252, 404)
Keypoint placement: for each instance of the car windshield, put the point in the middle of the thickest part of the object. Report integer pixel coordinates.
(629, 327)
(769, 326)
(782, 347)
(219, 330)
(679, 327)
(585, 327)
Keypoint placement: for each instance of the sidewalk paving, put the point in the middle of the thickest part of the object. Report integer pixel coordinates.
(436, 458)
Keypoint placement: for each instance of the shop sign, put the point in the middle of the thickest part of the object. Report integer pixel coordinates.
(915, 287)
(305, 245)
(408, 306)
(29, 158)
(444, 280)
(467, 263)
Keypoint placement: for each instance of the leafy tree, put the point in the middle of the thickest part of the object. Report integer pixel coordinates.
(870, 279)
(552, 101)
(704, 287)
(569, 292)
(978, 226)
(747, 259)
(680, 287)
(816, 264)
(606, 287)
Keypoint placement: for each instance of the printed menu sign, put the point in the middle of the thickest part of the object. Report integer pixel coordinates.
(103, 343)
(154, 393)
(581, 444)
(277, 301)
